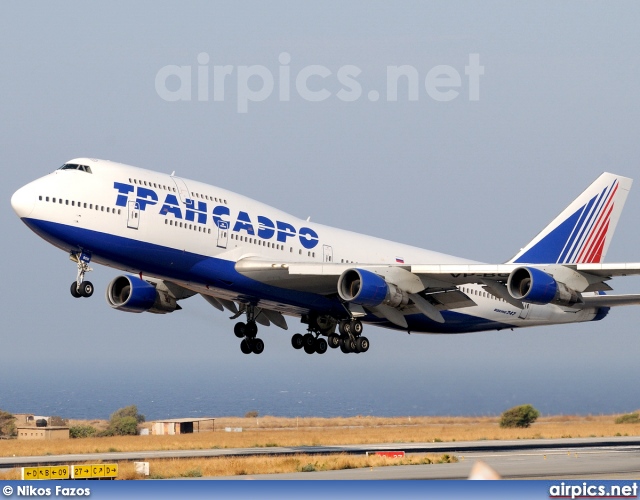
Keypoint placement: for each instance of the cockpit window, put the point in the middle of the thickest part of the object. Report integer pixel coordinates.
(74, 166)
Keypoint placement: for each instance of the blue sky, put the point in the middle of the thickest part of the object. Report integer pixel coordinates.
(558, 104)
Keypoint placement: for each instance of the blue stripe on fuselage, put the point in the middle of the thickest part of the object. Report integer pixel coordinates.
(179, 265)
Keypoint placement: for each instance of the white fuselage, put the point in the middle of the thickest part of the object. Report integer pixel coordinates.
(186, 231)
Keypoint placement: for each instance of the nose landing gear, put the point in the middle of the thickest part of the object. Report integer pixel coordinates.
(80, 287)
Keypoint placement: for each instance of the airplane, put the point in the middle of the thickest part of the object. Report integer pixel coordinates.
(175, 238)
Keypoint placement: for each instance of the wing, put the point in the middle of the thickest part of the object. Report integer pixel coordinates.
(438, 284)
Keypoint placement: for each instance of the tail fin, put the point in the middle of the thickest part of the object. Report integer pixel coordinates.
(583, 231)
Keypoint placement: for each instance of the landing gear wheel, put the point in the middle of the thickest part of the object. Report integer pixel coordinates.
(239, 329)
(344, 328)
(309, 341)
(257, 346)
(362, 344)
(356, 327)
(297, 341)
(333, 341)
(321, 346)
(251, 330)
(74, 290)
(310, 349)
(245, 347)
(86, 289)
(348, 345)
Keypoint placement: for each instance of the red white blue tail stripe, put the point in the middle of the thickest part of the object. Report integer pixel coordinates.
(586, 242)
(582, 233)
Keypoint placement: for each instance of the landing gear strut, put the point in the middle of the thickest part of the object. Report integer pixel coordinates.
(248, 332)
(80, 287)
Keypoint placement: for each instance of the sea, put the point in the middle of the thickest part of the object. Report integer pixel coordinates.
(200, 389)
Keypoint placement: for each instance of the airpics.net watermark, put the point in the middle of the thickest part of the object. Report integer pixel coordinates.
(257, 83)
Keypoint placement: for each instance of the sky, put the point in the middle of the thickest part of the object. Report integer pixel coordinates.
(473, 166)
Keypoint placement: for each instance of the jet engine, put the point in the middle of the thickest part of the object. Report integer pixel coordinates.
(537, 287)
(132, 294)
(368, 289)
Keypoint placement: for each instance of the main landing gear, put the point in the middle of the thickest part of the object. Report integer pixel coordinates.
(80, 287)
(248, 333)
(349, 340)
(310, 343)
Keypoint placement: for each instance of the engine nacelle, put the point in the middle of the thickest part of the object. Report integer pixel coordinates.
(368, 289)
(537, 287)
(131, 294)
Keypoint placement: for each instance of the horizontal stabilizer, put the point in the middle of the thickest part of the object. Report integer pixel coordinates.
(611, 300)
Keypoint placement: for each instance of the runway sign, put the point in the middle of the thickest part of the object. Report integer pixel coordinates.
(94, 471)
(54, 472)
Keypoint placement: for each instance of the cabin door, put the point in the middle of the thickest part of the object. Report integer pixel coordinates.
(133, 215)
(223, 233)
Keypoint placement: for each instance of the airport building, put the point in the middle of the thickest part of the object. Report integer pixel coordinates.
(31, 432)
(175, 426)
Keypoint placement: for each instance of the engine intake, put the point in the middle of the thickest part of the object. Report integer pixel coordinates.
(537, 287)
(131, 294)
(368, 289)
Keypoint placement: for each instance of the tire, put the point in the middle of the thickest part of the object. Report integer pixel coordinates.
(356, 327)
(333, 341)
(245, 347)
(321, 346)
(251, 329)
(310, 349)
(257, 346)
(74, 290)
(239, 329)
(86, 289)
(348, 345)
(362, 344)
(297, 341)
(344, 328)
(309, 340)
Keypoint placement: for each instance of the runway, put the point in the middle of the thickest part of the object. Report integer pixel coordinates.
(616, 457)
(564, 463)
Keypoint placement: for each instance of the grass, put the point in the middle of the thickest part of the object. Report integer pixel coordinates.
(278, 431)
(241, 466)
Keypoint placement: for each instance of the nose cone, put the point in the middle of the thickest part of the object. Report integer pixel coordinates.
(23, 201)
